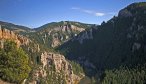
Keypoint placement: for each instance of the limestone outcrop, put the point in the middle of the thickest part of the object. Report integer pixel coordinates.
(54, 36)
(61, 65)
(57, 38)
(86, 35)
(66, 28)
(6, 34)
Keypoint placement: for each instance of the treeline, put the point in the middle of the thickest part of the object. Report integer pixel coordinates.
(126, 75)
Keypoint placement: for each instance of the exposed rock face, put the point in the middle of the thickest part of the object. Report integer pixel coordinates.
(55, 35)
(61, 65)
(23, 40)
(55, 42)
(67, 28)
(84, 36)
(10, 35)
(7, 34)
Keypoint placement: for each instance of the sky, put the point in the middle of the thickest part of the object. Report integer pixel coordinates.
(35, 13)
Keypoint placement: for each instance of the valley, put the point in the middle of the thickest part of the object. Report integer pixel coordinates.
(70, 52)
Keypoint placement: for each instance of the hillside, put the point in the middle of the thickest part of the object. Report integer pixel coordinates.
(69, 52)
(49, 35)
(119, 42)
(13, 27)
(16, 50)
(56, 33)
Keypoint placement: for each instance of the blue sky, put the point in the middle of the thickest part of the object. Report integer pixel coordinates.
(34, 13)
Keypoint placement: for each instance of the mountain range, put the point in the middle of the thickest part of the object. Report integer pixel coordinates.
(70, 52)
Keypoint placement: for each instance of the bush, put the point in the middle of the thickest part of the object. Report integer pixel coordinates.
(13, 63)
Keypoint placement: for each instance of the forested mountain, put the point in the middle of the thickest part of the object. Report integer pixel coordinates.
(54, 34)
(118, 45)
(69, 52)
(45, 63)
(13, 27)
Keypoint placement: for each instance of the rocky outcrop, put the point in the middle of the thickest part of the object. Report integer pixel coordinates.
(75, 28)
(68, 28)
(86, 35)
(55, 41)
(54, 66)
(23, 40)
(61, 65)
(65, 28)
(6, 34)
(59, 33)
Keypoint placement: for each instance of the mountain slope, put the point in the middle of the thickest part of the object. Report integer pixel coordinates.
(15, 28)
(45, 64)
(54, 34)
(49, 35)
(120, 41)
(111, 53)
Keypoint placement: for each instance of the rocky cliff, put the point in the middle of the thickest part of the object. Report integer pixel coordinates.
(86, 35)
(55, 66)
(57, 39)
(10, 35)
(54, 34)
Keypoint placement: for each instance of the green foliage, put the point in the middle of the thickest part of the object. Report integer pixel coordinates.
(88, 80)
(138, 5)
(55, 78)
(14, 65)
(85, 80)
(125, 75)
(56, 24)
(14, 27)
(44, 37)
(111, 46)
(77, 69)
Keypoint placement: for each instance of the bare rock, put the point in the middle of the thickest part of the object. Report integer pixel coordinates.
(85, 35)
(61, 66)
(10, 35)
(55, 42)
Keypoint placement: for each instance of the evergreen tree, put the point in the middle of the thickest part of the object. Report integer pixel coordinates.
(13, 63)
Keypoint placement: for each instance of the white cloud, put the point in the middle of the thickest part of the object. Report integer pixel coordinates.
(99, 14)
(88, 11)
